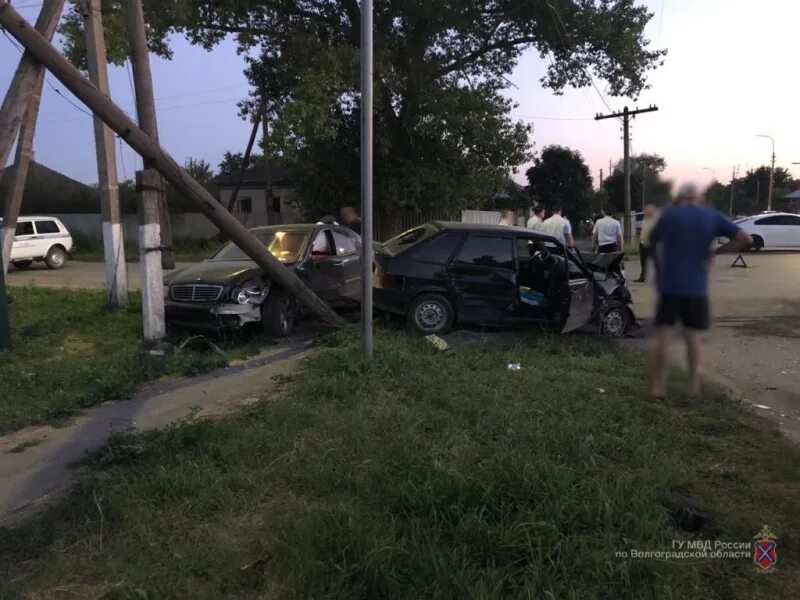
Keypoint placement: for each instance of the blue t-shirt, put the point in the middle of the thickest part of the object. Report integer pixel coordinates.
(685, 234)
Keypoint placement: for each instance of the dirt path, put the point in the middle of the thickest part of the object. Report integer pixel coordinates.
(36, 463)
(75, 274)
(754, 346)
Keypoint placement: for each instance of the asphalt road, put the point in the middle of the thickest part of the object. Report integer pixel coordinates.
(75, 274)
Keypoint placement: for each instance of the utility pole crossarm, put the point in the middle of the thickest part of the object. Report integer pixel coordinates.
(630, 113)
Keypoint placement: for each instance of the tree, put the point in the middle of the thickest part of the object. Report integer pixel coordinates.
(232, 162)
(200, 170)
(560, 176)
(646, 171)
(444, 138)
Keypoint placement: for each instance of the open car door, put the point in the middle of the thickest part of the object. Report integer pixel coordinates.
(581, 293)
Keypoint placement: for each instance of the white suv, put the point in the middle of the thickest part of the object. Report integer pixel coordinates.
(40, 238)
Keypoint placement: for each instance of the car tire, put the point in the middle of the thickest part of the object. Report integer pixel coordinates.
(22, 264)
(615, 320)
(56, 258)
(430, 314)
(278, 313)
(758, 243)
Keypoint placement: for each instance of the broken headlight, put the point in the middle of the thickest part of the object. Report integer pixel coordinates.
(251, 294)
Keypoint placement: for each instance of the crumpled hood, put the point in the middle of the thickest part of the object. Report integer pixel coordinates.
(220, 272)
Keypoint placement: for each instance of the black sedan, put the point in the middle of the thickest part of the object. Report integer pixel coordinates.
(228, 290)
(442, 272)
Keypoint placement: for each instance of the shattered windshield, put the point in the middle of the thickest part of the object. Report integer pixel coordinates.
(286, 246)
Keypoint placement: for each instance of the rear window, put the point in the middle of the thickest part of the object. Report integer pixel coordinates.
(407, 239)
(47, 227)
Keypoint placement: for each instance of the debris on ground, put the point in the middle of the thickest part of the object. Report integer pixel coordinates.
(762, 406)
(437, 342)
(514, 366)
(601, 390)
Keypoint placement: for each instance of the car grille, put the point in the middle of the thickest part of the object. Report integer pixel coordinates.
(196, 293)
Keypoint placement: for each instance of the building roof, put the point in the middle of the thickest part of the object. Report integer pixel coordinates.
(39, 174)
(255, 177)
(793, 196)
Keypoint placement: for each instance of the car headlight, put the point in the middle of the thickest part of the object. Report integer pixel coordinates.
(252, 294)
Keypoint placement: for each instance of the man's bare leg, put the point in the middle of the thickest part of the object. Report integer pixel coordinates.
(693, 343)
(658, 384)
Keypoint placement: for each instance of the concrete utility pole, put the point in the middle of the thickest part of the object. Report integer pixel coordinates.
(114, 117)
(733, 185)
(150, 183)
(113, 246)
(267, 167)
(245, 163)
(22, 101)
(771, 171)
(626, 117)
(366, 177)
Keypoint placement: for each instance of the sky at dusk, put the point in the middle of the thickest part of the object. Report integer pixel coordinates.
(730, 74)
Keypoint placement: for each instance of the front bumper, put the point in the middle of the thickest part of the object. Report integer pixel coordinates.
(215, 316)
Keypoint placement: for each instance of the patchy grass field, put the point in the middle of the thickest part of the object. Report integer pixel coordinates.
(71, 352)
(428, 475)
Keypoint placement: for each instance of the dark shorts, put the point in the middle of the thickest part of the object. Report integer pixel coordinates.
(692, 311)
(605, 248)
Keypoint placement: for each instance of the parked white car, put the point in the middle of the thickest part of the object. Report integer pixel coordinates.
(40, 238)
(772, 230)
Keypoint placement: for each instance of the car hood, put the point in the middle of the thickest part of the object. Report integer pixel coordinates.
(221, 272)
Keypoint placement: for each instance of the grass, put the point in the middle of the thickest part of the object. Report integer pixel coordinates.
(186, 250)
(426, 475)
(71, 352)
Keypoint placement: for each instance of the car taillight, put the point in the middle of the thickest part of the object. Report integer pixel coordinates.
(379, 276)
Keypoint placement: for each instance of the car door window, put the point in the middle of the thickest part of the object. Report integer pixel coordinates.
(24, 228)
(769, 221)
(321, 246)
(345, 245)
(438, 250)
(43, 227)
(485, 251)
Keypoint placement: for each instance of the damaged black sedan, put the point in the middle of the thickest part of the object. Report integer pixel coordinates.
(228, 290)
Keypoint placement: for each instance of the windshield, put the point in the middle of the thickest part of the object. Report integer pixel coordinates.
(287, 246)
(408, 238)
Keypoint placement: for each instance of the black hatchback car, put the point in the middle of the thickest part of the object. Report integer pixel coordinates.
(228, 290)
(443, 272)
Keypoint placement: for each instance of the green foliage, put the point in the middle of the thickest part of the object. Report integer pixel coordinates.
(751, 191)
(444, 138)
(645, 170)
(232, 162)
(200, 170)
(71, 352)
(559, 176)
(427, 475)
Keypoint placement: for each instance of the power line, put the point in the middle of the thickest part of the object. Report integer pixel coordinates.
(532, 118)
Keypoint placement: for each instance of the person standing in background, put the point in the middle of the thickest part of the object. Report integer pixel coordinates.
(607, 233)
(558, 227)
(349, 218)
(648, 221)
(535, 222)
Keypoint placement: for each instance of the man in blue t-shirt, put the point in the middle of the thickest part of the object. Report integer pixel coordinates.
(682, 239)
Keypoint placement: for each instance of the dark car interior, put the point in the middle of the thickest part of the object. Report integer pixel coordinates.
(540, 273)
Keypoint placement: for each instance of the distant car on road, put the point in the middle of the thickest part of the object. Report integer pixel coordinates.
(228, 290)
(772, 230)
(40, 239)
(442, 273)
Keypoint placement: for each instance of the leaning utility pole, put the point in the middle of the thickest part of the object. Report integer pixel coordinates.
(23, 99)
(150, 183)
(245, 163)
(267, 167)
(626, 138)
(113, 247)
(16, 25)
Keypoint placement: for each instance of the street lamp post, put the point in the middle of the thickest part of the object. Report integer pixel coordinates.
(713, 172)
(771, 170)
(366, 176)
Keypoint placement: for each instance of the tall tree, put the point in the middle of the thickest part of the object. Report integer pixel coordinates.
(444, 137)
(560, 176)
(200, 170)
(646, 172)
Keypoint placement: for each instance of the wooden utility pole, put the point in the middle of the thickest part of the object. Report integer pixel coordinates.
(245, 163)
(113, 245)
(626, 138)
(23, 98)
(150, 183)
(150, 150)
(267, 167)
(733, 185)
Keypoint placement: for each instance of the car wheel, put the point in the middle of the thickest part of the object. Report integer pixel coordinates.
(278, 313)
(431, 314)
(615, 321)
(22, 264)
(56, 258)
(758, 243)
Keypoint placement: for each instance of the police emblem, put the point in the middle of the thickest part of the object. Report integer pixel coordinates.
(765, 552)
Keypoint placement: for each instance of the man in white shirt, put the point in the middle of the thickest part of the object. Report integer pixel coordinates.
(535, 222)
(558, 227)
(607, 233)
